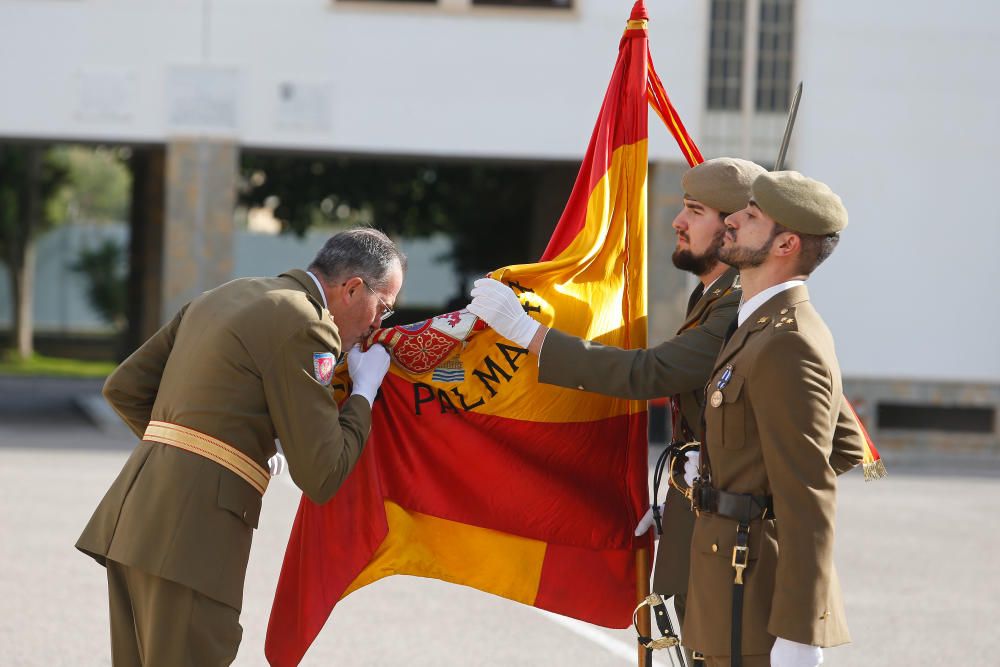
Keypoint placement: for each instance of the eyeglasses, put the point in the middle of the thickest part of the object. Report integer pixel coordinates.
(387, 311)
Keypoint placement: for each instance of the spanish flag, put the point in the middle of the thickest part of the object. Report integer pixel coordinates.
(476, 474)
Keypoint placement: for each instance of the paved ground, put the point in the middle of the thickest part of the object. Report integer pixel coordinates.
(916, 555)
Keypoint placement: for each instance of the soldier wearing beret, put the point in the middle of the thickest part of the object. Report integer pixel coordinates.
(208, 394)
(763, 588)
(678, 367)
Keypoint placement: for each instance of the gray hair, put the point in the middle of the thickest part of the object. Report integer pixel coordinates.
(364, 252)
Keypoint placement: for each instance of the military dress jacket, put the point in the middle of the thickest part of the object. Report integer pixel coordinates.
(678, 367)
(776, 424)
(238, 363)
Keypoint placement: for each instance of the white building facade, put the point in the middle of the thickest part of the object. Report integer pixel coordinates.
(899, 116)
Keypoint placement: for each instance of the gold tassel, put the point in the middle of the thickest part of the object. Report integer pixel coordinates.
(874, 470)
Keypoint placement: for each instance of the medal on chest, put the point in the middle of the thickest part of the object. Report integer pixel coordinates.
(717, 396)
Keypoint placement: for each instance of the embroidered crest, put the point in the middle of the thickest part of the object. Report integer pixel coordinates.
(421, 347)
(449, 371)
(323, 364)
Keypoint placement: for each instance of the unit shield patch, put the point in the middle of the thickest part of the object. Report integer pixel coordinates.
(323, 365)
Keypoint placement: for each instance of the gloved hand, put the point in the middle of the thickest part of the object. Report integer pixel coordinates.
(646, 522)
(367, 370)
(787, 653)
(691, 467)
(497, 305)
(277, 464)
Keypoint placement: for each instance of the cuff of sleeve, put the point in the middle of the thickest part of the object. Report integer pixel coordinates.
(369, 394)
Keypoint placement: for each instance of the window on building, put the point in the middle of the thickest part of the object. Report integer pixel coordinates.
(725, 54)
(414, 2)
(774, 54)
(557, 4)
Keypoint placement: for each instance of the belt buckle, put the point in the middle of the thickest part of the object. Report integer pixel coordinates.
(741, 555)
(741, 552)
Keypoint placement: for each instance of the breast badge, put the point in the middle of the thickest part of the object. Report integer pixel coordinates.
(727, 375)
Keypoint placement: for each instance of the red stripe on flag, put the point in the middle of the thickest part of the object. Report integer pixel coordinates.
(328, 546)
(660, 102)
(621, 122)
(572, 475)
(593, 586)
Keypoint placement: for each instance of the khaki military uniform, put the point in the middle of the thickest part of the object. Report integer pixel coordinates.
(777, 425)
(678, 367)
(237, 364)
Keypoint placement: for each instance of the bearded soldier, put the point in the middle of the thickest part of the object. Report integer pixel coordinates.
(678, 367)
(763, 588)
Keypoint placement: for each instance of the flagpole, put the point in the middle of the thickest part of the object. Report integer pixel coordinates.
(641, 592)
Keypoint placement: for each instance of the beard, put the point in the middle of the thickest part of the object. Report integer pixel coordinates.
(746, 258)
(699, 265)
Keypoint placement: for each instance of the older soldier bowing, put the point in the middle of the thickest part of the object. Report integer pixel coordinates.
(236, 367)
(763, 588)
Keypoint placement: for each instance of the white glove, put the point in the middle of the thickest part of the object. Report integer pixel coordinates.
(497, 305)
(787, 653)
(646, 522)
(277, 464)
(691, 467)
(367, 370)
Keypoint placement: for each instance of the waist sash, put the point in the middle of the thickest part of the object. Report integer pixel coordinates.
(212, 449)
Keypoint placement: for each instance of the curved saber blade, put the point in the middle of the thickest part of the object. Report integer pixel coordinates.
(792, 112)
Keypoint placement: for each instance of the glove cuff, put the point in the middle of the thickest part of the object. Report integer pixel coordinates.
(368, 393)
(524, 330)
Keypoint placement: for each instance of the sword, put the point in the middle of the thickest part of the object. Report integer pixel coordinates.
(793, 111)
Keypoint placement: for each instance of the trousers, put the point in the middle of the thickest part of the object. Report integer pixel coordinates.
(155, 622)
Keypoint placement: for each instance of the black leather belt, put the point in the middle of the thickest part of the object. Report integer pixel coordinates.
(740, 507)
(743, 508)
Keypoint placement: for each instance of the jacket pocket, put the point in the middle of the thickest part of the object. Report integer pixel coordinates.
(733, 414)
(717, 537)
(238, 497)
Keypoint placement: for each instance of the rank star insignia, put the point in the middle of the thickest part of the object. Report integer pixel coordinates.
(716, 399)
(762, 320)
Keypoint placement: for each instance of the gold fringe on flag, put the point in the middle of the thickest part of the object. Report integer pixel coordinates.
(874, 469)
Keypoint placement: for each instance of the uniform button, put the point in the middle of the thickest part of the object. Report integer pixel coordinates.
(784, 310)
(244, 514)
(715, 547)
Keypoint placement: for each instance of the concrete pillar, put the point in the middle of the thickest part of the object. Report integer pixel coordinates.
(668, 287)
(198, 228)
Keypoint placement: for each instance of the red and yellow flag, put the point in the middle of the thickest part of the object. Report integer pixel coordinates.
(475, 473)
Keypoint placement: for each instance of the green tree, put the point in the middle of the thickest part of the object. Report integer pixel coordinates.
(97, 187)
(485, 209)
(29, 177)
(107, 287)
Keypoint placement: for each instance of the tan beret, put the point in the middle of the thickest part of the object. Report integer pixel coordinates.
(799, 203)
(722, 183)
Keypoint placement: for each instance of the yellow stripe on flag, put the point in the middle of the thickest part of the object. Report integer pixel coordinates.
(426, 546)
